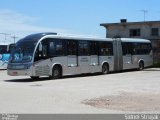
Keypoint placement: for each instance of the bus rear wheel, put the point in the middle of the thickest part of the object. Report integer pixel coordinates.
(105, 69)
(141, 65)
(56, 72)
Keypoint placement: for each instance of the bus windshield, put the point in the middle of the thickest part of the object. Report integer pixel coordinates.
(24, 49)
(23, 52)
(22, 55)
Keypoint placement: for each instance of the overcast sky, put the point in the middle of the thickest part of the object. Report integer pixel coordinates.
(80, 17)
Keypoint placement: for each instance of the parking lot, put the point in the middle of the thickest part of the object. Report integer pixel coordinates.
(129, 91)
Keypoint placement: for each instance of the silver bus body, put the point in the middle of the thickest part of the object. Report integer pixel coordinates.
(108, 56)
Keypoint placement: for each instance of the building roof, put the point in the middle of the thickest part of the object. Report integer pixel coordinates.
(129, 23)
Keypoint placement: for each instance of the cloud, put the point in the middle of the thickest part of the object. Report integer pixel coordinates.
(21, 25)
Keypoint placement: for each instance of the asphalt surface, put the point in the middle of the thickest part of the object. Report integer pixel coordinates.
(122, 92)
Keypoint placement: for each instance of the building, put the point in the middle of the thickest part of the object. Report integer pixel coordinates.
(146, 30)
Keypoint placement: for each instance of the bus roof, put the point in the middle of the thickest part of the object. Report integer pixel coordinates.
(98, 39)
(78, 38)
(36, 37)
(135, 40)
(40, 36)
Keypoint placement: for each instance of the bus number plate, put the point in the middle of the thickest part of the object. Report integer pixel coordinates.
(14, 73)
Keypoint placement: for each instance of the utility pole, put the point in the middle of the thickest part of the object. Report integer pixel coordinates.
(144, 14)
(14, 38)
(5, 36)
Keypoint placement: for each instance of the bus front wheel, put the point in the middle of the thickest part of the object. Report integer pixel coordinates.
(56, 72)
(105, 69)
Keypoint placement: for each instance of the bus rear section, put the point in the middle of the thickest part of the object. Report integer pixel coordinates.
(132, 53)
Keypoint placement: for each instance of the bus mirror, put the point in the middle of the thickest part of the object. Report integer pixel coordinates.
(40, 47)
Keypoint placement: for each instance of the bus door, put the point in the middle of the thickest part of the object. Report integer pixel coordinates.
(84, 56)
(118, 57)
(94, 58)
(72, 58)
(127, 55)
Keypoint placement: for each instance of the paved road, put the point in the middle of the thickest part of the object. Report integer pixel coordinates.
(133, 91)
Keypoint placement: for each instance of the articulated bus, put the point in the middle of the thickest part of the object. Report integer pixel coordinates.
(46, 54)
(5, 50)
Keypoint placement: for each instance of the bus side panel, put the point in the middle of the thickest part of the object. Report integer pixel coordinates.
(148, 61)
(42, 68)
(59, 61)
(109, 60)
(94, 64)
(72, 65)
(84, 64)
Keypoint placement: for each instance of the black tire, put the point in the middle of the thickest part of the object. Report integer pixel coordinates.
(34, 77)
(56, 72)
(141, 66)
(105, 69)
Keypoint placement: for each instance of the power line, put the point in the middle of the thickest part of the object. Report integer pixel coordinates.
(5, 36)
(144, 14)
(14, 38)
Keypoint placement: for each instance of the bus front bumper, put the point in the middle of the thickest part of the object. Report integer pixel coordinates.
(25, 72)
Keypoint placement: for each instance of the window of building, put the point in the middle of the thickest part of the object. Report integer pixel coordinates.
(155, 32)
(135, 32)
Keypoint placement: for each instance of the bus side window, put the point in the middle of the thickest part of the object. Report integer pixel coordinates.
(105, 48)
(124, 49)
(93, 48)
(127, 48)
(142, 48)
(56, 48)
(71, 47)
(36, 57)
(45, 51)
(83, 48)
(38, 53)
(41, 51)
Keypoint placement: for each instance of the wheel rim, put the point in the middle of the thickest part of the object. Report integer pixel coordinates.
(105, 69)
(56, 73)
(141, 66)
